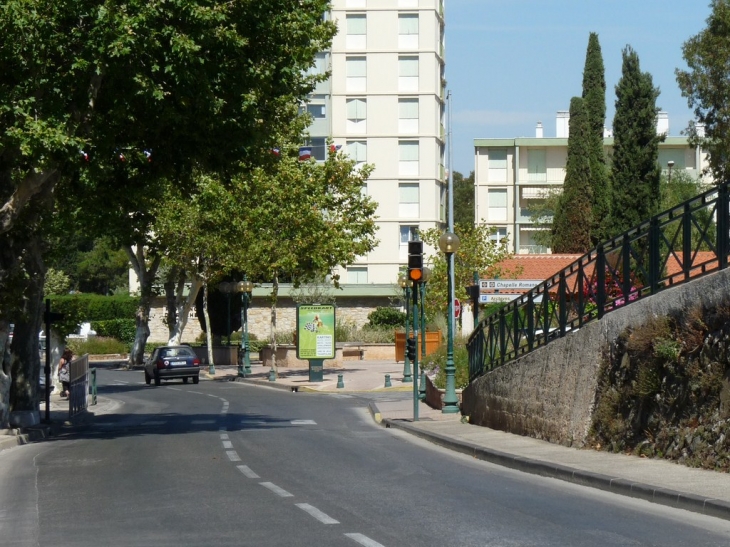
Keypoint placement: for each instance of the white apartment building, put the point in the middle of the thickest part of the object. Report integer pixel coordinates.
(509, 174)
(384, 105)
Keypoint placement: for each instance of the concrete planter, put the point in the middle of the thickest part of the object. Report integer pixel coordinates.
(222, 355)
(286, 354)
(435, 396)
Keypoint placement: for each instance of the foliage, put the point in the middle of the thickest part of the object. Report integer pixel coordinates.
(478, 252)
(573, 217)
(385, 317)
(463, 198)
(706, 85)
(635, 175)
(594, 97)
(542, 213)
(121, 329)
(315, 292)
(57, 282)
(437, 362)
(97, 345)
(79, 308)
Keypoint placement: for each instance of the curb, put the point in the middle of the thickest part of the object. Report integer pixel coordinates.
(671, 498)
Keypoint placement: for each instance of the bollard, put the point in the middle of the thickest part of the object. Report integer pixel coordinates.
(92, 386)
(387, 381)
(272, 375)
(340, 383)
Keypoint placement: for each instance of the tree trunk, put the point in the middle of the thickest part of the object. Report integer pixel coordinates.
(183, 308)
(171, 315)
(208, 336)
(274, 298)
(5, 375)
(146, 278)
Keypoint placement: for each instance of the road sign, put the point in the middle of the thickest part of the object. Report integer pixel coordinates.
(491, 298)
(457, 308)
(521, 284)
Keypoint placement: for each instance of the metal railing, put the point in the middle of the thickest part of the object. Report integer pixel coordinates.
(682, 243)
(78, 386)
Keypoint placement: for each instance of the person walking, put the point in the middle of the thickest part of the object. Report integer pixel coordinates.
(64, 371)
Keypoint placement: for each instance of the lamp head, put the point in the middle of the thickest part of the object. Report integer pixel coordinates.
(449, 242)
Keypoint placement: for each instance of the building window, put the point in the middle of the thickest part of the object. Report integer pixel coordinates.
(356, 116)
(497, 204)
(407, 233)
(498, 235)
(356, 37)
(408, 31)
(317, 111)
(408, 202)
(672, 154)
(408, 73)
(318, 146)
(356, 71)
(358, 151)
(536, 167)
(408, 115)
(320, 65)
(497, 165)
(408, 158)
(357, 275)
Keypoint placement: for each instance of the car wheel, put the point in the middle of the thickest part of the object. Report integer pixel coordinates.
(147, 378)
(196, 379)
(158, 381)
(185, 380)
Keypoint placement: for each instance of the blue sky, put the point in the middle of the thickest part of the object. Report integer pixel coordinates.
(512, 63)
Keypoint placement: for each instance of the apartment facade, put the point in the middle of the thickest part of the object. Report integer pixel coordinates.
(511, 174)
(384, 105)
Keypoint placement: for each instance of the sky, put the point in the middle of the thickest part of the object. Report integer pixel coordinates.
(512, 63)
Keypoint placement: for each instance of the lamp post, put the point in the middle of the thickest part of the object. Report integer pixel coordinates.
(406, 284)
(245, 287)
(670, 165)
(422, 377)
(449, 244)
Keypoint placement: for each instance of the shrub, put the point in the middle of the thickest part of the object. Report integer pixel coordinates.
(437, 361)
(97, 345)
(78, 308)
(121, 329)
(386, 317)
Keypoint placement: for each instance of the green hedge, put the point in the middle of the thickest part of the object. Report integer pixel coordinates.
(121, 329)
(79, 308)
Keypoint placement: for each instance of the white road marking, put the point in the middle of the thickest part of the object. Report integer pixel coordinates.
(227, 444)
(224, 410)
(215, 396)
(276, 490)
(233, 456)
(196, 392)
(246, 470)
(303, 422)
(364, 540)
(222, 429)
(153, 422)
(224, 436)
(175, 388)
(202, 422)
(316, 513)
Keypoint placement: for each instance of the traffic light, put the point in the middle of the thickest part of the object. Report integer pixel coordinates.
(415, 261)
(411, 348)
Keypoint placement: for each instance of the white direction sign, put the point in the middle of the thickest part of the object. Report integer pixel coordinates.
(491, 298)
(499, 284)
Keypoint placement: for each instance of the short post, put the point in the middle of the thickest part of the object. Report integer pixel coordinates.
(316, 370)
(340, 382)
(272, 375)
(387, 381)
(92, 386)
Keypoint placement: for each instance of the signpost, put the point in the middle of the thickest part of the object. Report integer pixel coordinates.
(499, 284)
(315, 337)
(504, 297)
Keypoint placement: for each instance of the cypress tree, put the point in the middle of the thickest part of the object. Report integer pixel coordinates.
(635, 173)
(594, 96)
(571, 229)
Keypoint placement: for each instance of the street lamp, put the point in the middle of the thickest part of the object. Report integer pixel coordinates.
(422, 378)
(245, 287)
(449, 244)
(670, 164)
(406, 284)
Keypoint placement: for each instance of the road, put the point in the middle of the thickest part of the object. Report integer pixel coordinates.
(222, 463)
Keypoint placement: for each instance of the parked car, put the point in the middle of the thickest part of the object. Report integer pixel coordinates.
(170, 362)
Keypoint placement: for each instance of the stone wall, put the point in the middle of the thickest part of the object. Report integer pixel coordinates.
(350, 310)
(550, 394)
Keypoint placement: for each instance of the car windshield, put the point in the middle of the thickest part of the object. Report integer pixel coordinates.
(176, 352)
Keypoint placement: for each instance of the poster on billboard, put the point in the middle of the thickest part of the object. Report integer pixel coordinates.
(315, 331)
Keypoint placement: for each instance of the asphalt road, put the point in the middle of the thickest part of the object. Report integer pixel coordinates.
(221, 463)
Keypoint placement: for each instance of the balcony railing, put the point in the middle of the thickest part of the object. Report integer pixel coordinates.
(685, 242)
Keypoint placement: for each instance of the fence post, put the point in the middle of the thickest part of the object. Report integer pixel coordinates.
(530, 321)
(654, 254)
(723, 223)
(687, 241)
(601, 281)
(92, 387)
(502, 335)
(563, 311)
(626, 268)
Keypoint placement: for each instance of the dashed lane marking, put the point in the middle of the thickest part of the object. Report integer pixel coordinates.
(224, 436)
(316, 513)
(364, 540)
(246, 470)
(303, 422)
(233, 456)
(227, 444)
(276, 490)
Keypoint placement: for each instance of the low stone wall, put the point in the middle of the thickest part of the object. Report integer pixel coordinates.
(435, 396)
(286, 355)
(550, 394)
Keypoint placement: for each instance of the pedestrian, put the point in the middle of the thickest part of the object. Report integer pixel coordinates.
(64, 371)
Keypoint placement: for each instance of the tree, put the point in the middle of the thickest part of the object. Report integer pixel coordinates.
(463, 198)
(635, 174)
(571, 230)
(706, 85)
(198, 85)
(594, 96)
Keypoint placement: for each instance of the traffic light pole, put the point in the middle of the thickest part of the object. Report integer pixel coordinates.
(415, 357)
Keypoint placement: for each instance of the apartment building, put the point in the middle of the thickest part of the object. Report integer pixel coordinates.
(384, 105)
(510, 174)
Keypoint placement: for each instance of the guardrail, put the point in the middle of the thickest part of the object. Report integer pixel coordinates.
(78, 386)
(682, 243)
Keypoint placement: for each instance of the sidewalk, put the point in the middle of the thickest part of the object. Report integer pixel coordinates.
(658, 481)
